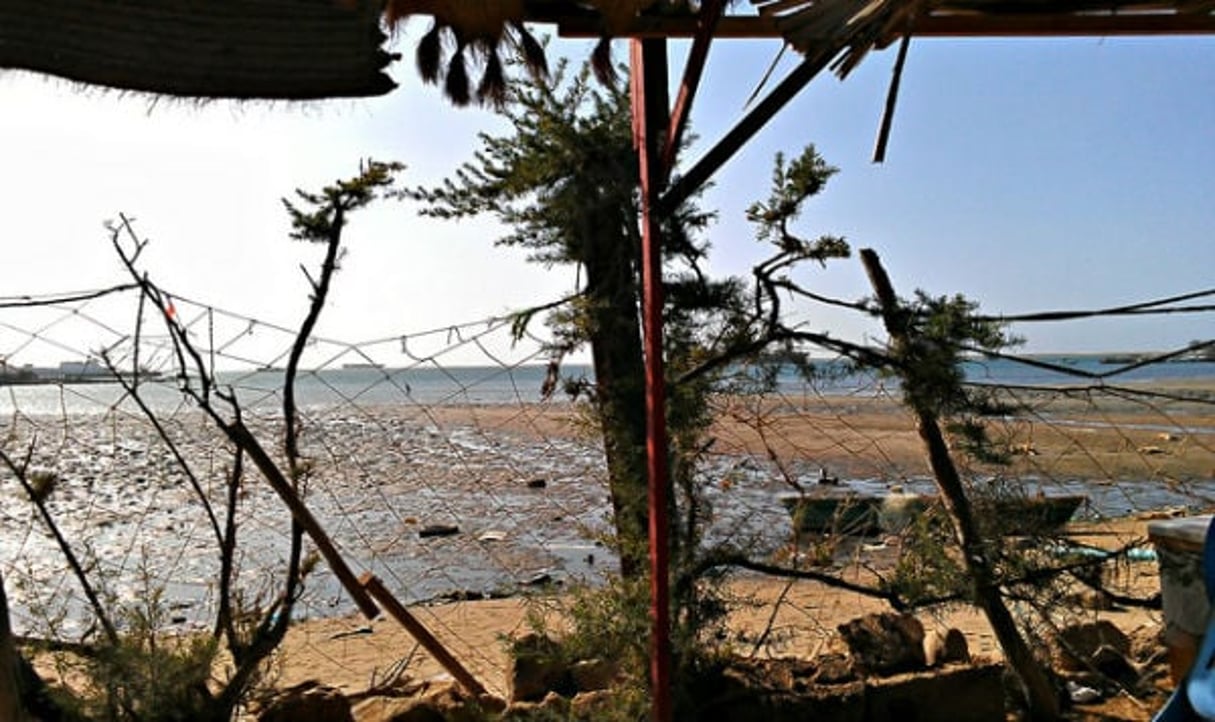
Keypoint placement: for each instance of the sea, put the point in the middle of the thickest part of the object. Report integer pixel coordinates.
(372, 385)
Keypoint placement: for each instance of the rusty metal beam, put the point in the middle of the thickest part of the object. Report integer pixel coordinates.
(745, 129)
(710, 15)
(736, 27)
(651, 108)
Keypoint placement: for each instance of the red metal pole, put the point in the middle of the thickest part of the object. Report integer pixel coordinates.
(651, 108)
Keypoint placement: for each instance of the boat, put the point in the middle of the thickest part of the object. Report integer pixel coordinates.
(835, 513)
(1028, 515)
(867, 514)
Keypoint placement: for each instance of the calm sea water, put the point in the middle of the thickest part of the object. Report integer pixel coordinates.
(372, 386)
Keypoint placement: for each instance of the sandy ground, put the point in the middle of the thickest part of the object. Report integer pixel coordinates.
(1106, 437)
(1110, 439)
(353, 654)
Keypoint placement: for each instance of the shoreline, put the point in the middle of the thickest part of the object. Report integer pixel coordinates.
(524, 484)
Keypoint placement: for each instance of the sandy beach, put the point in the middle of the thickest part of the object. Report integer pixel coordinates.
(1132, 445)
(524, 488)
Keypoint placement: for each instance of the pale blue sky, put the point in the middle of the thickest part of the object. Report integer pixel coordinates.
(1027, 174)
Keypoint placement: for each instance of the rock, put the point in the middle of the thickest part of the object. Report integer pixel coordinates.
(945, 648)
(552, 707)
(885, 643)
(1116, 666)
(956, 647)
(590, 675)
(1077, 646)
(593, 705)
(431, 701)
(959, 694)
(833, 668)
(536, 668)
(307, 702)
(396, 709)
(1091, 599)
(1080, 694)
(536, 483)
(431, 530)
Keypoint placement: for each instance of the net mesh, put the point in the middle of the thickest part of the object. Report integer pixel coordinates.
(435, 462)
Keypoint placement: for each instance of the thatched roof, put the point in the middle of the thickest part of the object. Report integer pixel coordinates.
(296, 49)
(302, 49)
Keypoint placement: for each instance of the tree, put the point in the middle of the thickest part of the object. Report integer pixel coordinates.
(565, 184)
(133, 672)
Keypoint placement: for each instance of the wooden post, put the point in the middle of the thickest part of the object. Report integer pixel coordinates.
(428, 641)
(1042, 696)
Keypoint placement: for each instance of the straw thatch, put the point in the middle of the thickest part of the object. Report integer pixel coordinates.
(302, 49)
(288, 49)
(470, 32)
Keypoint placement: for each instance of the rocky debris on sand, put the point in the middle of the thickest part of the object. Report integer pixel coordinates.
(789, 690)
(593, 675)
(947, 647)
(434, 700)
(539, 668)
(961, 694)
(885, 643)
(308, 701)
(536, 669)
(552, 707)
(1091, 599)
(1096, 647)
(1077, 646)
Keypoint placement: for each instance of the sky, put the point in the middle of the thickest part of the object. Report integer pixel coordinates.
(1029, 175)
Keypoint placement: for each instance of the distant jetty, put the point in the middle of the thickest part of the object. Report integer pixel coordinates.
(67, 372)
